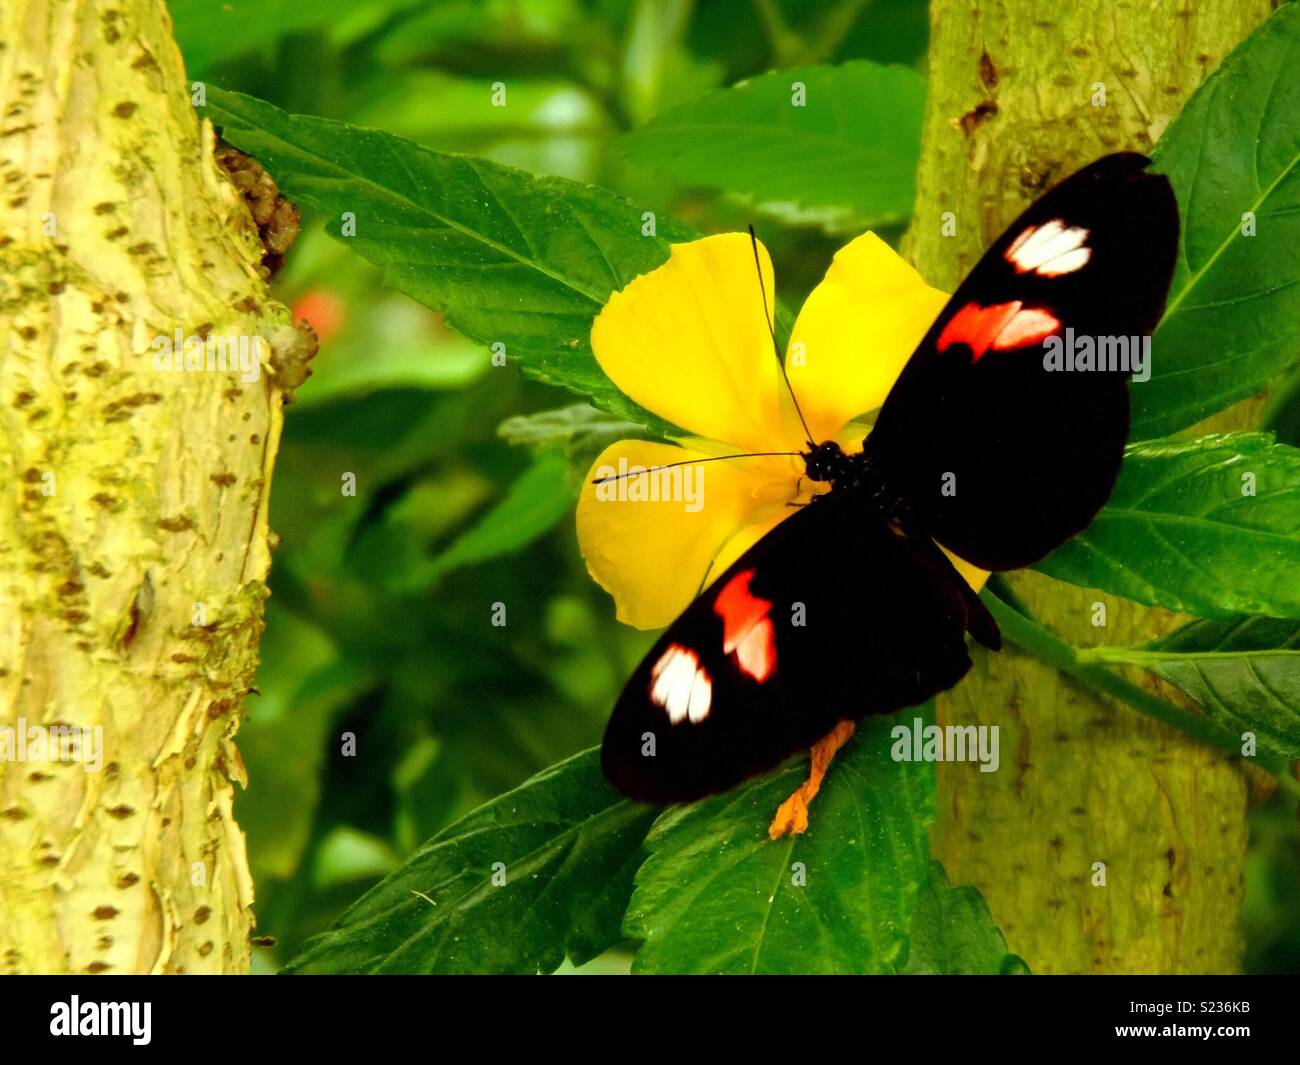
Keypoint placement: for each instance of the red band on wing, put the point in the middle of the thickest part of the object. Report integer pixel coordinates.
(746, 628)
(1000, 327)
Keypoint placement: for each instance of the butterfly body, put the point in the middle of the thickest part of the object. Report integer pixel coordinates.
(984, 450)
(857, 484)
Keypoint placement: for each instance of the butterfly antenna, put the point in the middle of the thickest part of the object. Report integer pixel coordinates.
(689, 462)
(776, 347)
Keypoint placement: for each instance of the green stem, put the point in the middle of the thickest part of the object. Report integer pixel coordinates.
(834, 29)
(789, 48)
(655, 30)
(1029, 636)
(784, 45)
(999, 586)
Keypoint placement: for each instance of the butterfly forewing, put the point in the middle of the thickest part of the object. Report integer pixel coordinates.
(1003, 455)
(826, 618)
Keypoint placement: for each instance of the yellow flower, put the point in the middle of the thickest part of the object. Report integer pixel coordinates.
(690, 342)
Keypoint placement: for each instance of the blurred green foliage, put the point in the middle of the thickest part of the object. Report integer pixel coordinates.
(378, 629)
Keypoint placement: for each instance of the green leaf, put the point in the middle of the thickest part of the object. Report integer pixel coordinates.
(578, 432)
(568, 845)
(533, 504)
(540, 109)
(1086, 667)
(552, 126)
(1244, 673)
(717, 896)
(393, 552)
(953, 934)
(452, 33)
(1180, 531)
(443, 367)
(347, 855)
(508, 257)
(1233, 319)
(576, 426)
(211, 30)
(846, 159)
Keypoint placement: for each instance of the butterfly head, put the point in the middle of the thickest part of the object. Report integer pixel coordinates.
(826, 462)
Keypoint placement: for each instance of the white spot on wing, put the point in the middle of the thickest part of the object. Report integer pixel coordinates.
(1050, 250)
(701, 696)
(1067, 263)
(681, 685)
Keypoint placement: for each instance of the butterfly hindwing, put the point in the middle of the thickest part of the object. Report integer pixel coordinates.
(1002, 458)
(826, 618)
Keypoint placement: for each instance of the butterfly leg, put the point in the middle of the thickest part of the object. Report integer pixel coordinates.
(793, 813)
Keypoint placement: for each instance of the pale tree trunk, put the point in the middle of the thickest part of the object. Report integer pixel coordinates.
(1082, 780)
(134, 544)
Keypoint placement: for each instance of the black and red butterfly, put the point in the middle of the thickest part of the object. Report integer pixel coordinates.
(979, 446)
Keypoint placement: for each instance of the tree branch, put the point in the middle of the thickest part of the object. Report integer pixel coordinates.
(133, 532)
(1010, 112)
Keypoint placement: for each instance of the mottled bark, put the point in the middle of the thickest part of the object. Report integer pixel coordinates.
(1011, 110)
(133, 536)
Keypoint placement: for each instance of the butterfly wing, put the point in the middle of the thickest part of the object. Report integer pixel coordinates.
(1002, 457)
(757, 667)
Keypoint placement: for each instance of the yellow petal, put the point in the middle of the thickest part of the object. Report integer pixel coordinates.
(855, 333)
(744, 539)
(972, 574)
(653, 557)
(689, 341)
